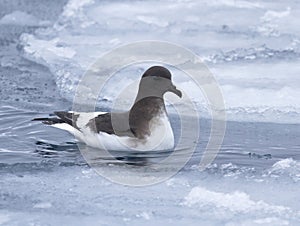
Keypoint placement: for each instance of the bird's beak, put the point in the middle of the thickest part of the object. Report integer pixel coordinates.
(173, 89)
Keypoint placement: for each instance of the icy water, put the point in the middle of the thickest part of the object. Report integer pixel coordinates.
(253, 181)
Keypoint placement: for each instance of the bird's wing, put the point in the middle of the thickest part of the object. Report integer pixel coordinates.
(95, 121)
(116, 123)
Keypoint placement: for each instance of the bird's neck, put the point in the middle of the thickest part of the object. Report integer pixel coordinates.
(145, 91)
(149, 106)
(142, 112)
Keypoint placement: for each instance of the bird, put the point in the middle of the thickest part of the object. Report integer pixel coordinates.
(144, 127)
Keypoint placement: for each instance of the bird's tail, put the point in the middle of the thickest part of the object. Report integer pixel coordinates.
(49, 121)
(62, 117)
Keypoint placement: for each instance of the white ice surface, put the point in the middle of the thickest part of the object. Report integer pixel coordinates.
(84, 198)
(252, 48)
(22, 19)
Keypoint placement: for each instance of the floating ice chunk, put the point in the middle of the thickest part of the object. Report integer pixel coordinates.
(286, 167)
(235, 4)
(271, 221)
(49, 50)
(270, 20)
(4, 218)
(271, 15)
(75, 6)
(43, 205)
(73, 11)
(284, 164)
(22, 18)
(145, 215)
(236, 202)
(152, 20)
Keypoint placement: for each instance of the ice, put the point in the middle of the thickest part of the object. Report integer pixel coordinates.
(285, 163)
(51, 47)
(83, 197)
(288, 168)
(4, 217)
(43, 205)
(255, 61)
(270, 221)
(236, 202)
(252, 48)
(22, 19)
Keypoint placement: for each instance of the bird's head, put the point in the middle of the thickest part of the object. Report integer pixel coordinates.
(156, 81)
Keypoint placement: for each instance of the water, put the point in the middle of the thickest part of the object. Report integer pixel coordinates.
(253, 181)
